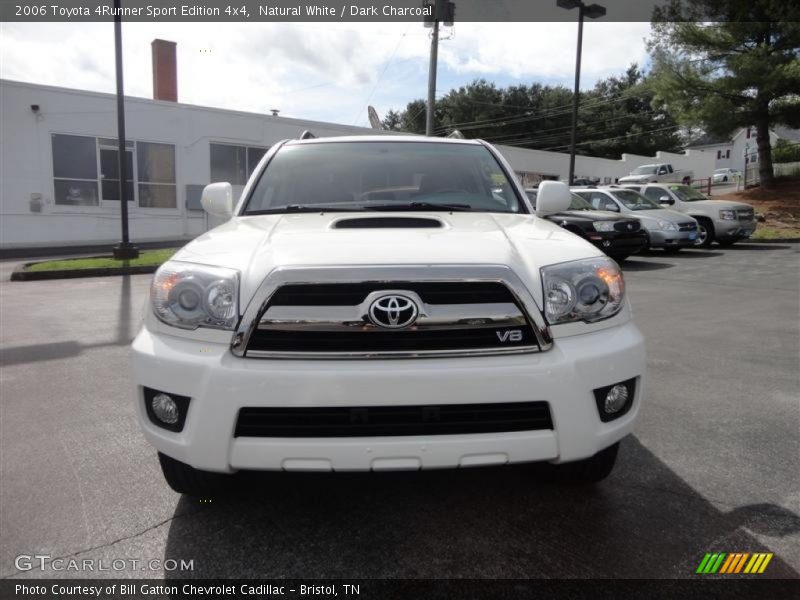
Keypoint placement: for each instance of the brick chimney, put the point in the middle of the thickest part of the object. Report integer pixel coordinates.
(165, 71)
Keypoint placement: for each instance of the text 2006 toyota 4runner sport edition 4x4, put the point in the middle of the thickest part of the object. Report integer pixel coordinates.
(382, 303)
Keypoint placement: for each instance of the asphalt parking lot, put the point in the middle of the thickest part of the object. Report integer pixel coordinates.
(713, 465)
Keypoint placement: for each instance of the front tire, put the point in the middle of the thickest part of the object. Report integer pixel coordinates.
(187, 480)
(705, 233)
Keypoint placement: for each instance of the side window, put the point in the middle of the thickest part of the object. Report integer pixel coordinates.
(602, 202)
(655, 193)
(662, 171)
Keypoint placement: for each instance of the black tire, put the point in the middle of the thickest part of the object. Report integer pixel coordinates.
(705, 233)
(687, 181)
(725, 179)
(672, 249)
(589, 470)
(187, 480)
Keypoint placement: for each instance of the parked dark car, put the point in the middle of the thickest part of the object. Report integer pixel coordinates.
(619, 237)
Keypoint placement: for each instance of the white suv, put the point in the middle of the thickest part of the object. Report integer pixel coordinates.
(381, 303)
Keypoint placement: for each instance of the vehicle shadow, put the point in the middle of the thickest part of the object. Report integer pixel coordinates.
(644, 521)
(765, 247)
(632, 264)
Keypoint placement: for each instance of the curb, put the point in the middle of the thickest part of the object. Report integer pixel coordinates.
(773, 241)
(20, 274)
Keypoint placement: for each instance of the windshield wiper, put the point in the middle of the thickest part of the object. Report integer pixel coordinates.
(305, 208)
(423, 206)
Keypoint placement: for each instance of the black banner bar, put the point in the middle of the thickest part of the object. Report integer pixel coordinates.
(333, 11)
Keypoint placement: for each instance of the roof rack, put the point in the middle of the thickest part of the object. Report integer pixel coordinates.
(307, 135)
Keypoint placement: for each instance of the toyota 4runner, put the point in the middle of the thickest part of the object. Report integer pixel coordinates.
(384, 303)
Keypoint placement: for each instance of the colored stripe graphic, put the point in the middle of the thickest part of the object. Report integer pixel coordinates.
(727, 564)
(765, 563)
(734, 562)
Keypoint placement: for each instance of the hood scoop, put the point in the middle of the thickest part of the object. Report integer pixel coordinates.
(388, 223)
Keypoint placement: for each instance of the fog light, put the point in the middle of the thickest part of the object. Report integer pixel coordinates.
(165, 409)
(616, 398)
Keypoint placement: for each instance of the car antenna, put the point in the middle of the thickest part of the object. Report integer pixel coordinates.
(307, 135)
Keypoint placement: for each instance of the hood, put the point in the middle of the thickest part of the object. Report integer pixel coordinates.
(634, 178)
(590, 215)
(257, 245)
(662, 214)
(718, 205)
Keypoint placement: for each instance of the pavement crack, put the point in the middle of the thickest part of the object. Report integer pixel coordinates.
(117, 541)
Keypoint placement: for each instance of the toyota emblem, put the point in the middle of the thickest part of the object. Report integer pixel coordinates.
(393, 311)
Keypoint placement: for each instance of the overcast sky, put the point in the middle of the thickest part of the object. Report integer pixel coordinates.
(327, 72)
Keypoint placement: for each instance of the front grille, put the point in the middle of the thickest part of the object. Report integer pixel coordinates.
(687, 226)
(363, 421)
(332, 320)
(431, 292)
(627, 226)
(745, 214)
(379, 340)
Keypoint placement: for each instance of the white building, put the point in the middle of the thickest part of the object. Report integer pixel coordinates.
(730, 151)
(59, 175)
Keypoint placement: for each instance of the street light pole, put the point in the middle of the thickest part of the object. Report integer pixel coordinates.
(444, 11)
(124, 250)
(432, 79)
(593, 11)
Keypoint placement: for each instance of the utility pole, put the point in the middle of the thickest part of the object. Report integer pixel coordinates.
(124, 250)
(442, 11)
(593, 11)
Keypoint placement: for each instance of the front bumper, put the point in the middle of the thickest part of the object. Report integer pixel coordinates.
(671, 239)
(734, 230)
(219, 384)
(614, 243)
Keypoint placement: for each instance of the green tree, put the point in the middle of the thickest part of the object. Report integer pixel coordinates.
(615, 117)
(724, 65)
(393, 121)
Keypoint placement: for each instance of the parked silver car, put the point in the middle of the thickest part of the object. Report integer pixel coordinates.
(667, 229)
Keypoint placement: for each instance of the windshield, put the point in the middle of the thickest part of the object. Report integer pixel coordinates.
(579, 203)
(645, 170)
(686, 193)
(721, 171)
(365, 176)
(634, 200)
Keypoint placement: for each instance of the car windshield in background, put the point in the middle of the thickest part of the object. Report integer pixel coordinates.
(383, 176)
(579, 203)
(634, 200)
(686, 193)
(645, 170)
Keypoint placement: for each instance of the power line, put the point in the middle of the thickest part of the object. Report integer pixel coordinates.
(522, 117)
(562, 128)
(629, 135)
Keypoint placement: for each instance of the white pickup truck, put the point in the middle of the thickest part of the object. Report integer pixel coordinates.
(385, 303)
(658, 173)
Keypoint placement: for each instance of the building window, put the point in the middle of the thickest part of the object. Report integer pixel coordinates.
(727, 153)
(234, 164)
(719, 154)
(86, 171)
(75, 170)
(748, 133)
(156, 175)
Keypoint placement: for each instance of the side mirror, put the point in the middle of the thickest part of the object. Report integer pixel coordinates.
(666, 200)
(217, 199)
(552, 197)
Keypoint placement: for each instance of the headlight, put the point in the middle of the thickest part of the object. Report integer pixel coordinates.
(604, 225)
(727, 215)
(660, 225)
(190, 296)
(583, 290)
